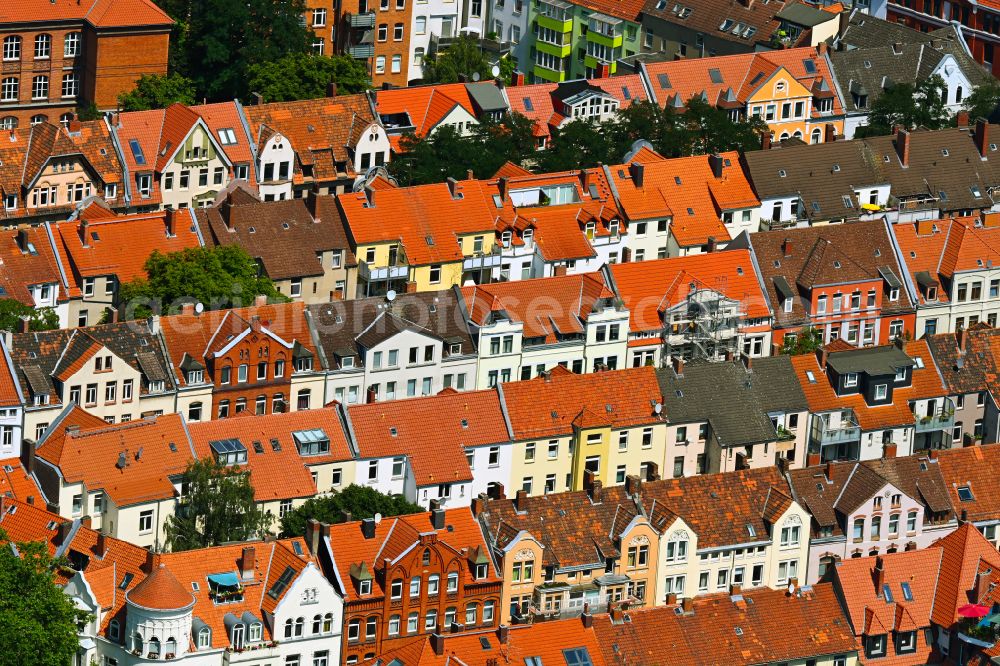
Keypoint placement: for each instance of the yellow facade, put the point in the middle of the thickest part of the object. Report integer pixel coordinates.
(786, 106)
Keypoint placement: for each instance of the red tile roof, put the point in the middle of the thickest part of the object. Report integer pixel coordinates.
(433, 431)
(426, 105)
(545, 407)
(99, 13)
(16, 482)
(962, 553)
(160, 590)
(225, 115)
(650, 288)
(973, 467)
(34, 265)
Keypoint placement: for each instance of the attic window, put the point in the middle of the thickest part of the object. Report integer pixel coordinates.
(485, 643)
(275, 444)
(690, 211)
(810, 376)
(252, 230)
(297, 547)
(284, 225)
(848, 203)
(918, 361)
(393, 431)
(528, 105)
(867, 64)
(943, 195)
(680, 393)
(51, 525)
(258, 447)
(810, 65)
(715, 75)
(739, 270)
(965, 494)
(887, 593)
(836, 168)
(465, 423)
(993, 146)
(878, 252)
(944, 152)
(173, 447)
(885, 158)
(751, 530)
(195, 586)
(976, 192)
(907, 591)
(726, 25)
(125, 581)
(279, 585)
(782, 173)
(837, 264)
(677, 180)
(739, 632)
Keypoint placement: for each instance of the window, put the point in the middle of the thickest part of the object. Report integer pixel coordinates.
(43, 46)
(790, 536)
(965, 494)
(421, 25)
(319, 17)
(397, 63)
(452, 582)
(397, 32)
(70, 85)
(396, 589)
(71, 45)
(415, 587)
(146, 521)
(859, 529)
(881, 390)
(12, 48)
(40, 87)
(876, 528)
(380, 65)
(394, 625)
(9, 89)
(434, 274)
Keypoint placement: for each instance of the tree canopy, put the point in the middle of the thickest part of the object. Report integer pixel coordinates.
(983, 101)
(39, 621)
(908, 106)
(360, 501)
(807, 341)
(217, 506)
(463, 57)
(153, 91)
(13, 312)
(306, 76)
(215, 42)
(218, 277)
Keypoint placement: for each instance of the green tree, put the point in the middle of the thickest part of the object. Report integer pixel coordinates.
(39, 621)
(983, 101)
(463, 57)
(359, 501)
(217, 506)
(307, 76)
(218, 277)
(153, 91)
(806, 342)
(13, 312)
(714, 131)
(216, 41)
(578, 144)
(88, 111)
(908, 106)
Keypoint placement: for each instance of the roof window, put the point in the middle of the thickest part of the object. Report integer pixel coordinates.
(965, 494)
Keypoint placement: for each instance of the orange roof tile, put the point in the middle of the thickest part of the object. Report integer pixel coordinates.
(99, 13)
(225, 116)
(16, 483)
(433, 432)
(35, 264)
(160, 590)
(962, 552)
(425, 105)
(650, 288)
(973, 467)
(626, 397)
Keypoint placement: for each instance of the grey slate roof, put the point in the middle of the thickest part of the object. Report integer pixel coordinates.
(487, 96)
(803, 14)
(734, 401)
(873, 360)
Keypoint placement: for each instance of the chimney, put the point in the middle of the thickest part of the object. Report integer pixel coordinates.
(247, 560)
(633, 484)
(22, 240)
(678, 364)
(370, 395)
(368, 528)
(187, 309)
(559, 271)
(962, 118)
(813, 459)
(963, 517)
(502, 186)
(712, 244)
(260, 300)
(889, 451)
(782, 463)
(735, 589)
(786, 247)
(584, 180)
(437, 515)
(587, 618)
(25, 325)
(844, 21)
(617, 615)
(672, 599)
(101, 546)
(453, 188)
(593, 486)
(312, 203)
(370, 196)
(822, 355)
(636, 171)
(521, 500)
(982, 586)
(829, 470)
(346, 516)
(113, 315)
(28, 457)
(747, 361)
(503, 634)
(312, 535)
(822, 48)
(331, 90)
(85, 521)
(62, 532)
(903, 147)
(496, 491)
(437, 643)
(715, 161)
(982, 137)
(879, 575)
(962, 337)
(84, 237)
(933, 454)
(687, 605)
(470, 174)
(170, 221)
(478, 506)
(765, 141)
(829, 133)
(652, 472)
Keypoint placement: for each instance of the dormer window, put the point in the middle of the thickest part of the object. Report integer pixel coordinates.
(850, 380)
(195, 376)
(881, 391)
(482, 570)
(875, 645)
(788, 304)
(527, 235)
(901, 374)
(229, 452)
(305, 363)
(365, 587)
(505, 238)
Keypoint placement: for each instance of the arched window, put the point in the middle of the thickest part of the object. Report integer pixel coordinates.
(154, 648)
(194, 411)
(12, 48)
(8, 123)
(354, 630)
(784, 135)
(304, 397)
(113, 628)
(425, 559)
(328, 623)
(471, 612)
(300, 624)
(798, 134)
(317, 623)
(238, 635)
(958, 95)
(204, 638)
(137, 643)
(170, 648)
(817, 136)
(71, 45)
(289, 624)
(66, 119)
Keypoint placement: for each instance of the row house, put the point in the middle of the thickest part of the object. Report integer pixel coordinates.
(442, 236)
(11, 416)
(842, 281)
(555, 224)
(874, 402)
(356, 37)
(526, 328)
(31, 271)
(968, 367)
(609, 423)
(726, 416)
(972, 486)
(257, 360)
(442, 450)
(682, 206)
(378, 348)
(419, 111)
(171, 158)
(118, 372)
(554, 564)
(46, 170)
(735, 627)
(975, 28)
(229, 604)
(702, 306)
(323, 144)
(952, 271)
(124, 478)
(227, 121)
(551, 106)
(408, 577)
(864, 509)
(792, 90)
(100, 251)
(300, 244)
(57, 59)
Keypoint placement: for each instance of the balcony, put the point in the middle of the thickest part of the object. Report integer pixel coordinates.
(942, 418)
(361, 51)
(494, 49)
(555, 15)
(482, 260)
(826, 431)
(981, 633)
(365, 20)
(373, 274)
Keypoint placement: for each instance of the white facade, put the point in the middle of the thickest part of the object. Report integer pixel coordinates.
(373, 149)
(441, 18)
(275, 169)
(509, 20)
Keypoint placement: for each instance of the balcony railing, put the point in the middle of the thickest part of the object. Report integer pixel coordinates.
(942, 418)
(365, 20)
(482, 260)
(824, 431)
(361, 51)
(366, 272)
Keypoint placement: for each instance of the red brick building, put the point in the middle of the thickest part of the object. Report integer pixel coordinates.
(412, 576)
(57, 54)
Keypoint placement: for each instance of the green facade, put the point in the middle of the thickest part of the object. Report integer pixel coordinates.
(567, 41)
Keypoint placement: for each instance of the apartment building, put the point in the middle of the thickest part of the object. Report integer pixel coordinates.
(526, 328)
(302, 245)
(741, 414)
(611, 423)
(410, 576)
(228, 122)
(968, 368)
(556, 566)
(950, 271)
(978, 32)
(255, 360)
(46, 170)
(56, 58)
(844, 281)
(118, 372)
(11, 414)
(874, 402)
(792, 90)
(445, 449)
(706, 306)
(863, 509)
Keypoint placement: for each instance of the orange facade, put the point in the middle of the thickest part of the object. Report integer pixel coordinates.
(254, 375)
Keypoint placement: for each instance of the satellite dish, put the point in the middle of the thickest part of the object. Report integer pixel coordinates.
(390, 295)
(378, 518)
(495, 71)
(475, 76)
(199, 307)
(658, 407)
(791, 588)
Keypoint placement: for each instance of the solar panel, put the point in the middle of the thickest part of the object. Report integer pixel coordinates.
(137, 153)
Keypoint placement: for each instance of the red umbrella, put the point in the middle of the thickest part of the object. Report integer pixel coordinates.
(973, 610)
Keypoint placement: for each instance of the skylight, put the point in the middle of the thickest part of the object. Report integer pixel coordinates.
(279, 585)
(577, 657)
(810, 65)
(965, 494)
(907, 592)
(887, 593)
(528, 105)
(227, 136)
(715, 75)
(137, 153)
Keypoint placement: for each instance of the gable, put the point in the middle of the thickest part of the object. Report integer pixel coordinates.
(457, 114)
(768, 89)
